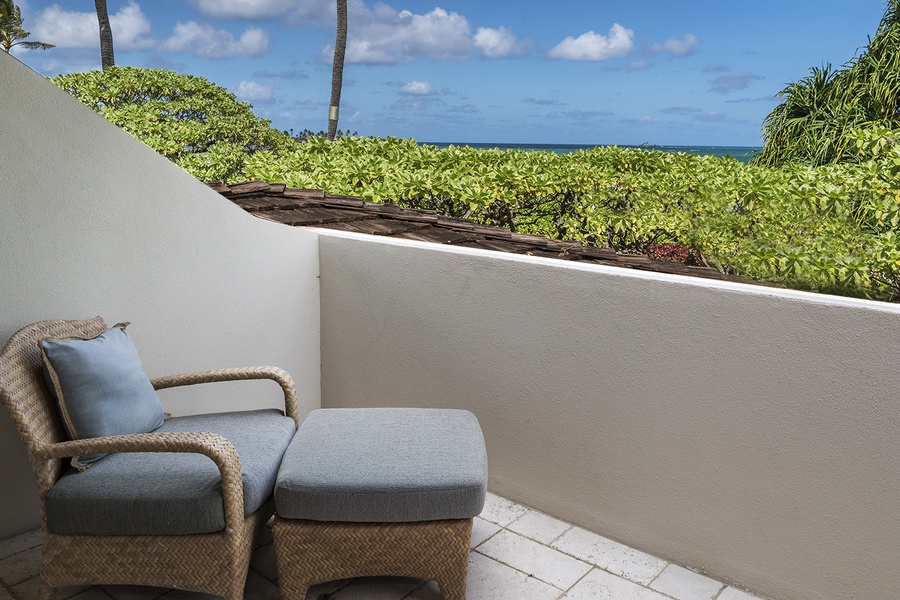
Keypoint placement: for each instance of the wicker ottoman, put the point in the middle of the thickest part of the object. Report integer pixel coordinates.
(379, 491)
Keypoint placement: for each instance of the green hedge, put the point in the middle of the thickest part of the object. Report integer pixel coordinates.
(828, 229)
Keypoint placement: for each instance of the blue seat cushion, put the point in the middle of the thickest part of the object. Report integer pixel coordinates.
(381, 465)
(158, 493)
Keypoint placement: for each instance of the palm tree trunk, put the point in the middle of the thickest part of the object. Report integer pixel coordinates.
(337, 70)
(107, 56)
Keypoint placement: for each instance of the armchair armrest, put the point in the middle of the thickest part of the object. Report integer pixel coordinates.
(212, 445)
(280, 376)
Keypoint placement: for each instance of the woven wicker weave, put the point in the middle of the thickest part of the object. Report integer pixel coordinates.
(214, 563)
(311, 552)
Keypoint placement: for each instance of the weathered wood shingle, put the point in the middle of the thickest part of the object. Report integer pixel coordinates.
(315, 208)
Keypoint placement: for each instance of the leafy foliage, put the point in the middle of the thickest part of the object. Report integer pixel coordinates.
(828, 229)
(198, 125)
(815, 123)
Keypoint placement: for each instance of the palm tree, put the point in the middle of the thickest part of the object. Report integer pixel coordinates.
(337, 70)
(11, 32)
(107, 56)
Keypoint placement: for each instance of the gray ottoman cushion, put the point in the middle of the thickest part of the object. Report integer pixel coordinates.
(381, 465)
(158, 493)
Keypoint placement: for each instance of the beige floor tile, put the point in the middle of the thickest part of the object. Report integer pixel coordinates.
(260, 588)
(92, 593)
(14, 545)
(539, 527)
(78, 591)
(612, 556)
(263, 562)
(134, 592)
(28, 590)
(18, 567)
(325, 590)
(731, 593)
(500, 510)
(482, 530)
(4, 595)
(535, 559)
(377, 588)
(185, 595)
(429, 591)
(600, 585)
(683, 584)
(491, 580)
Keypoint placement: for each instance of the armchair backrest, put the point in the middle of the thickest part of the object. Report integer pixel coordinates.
(26, 397)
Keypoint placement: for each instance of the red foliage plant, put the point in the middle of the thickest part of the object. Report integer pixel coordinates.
(670, 252)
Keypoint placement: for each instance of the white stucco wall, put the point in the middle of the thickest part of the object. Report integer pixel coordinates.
(95, 223)
(749, 432)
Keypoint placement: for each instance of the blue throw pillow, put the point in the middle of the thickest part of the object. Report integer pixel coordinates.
(101, 387)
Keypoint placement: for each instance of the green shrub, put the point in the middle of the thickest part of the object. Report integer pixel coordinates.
(197, 124)
(827, 229)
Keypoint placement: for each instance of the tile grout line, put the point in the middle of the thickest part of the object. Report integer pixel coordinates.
(415, 589)
(580, 579)
(564, 553)
(649, 583)
(548, 546)
(518, 570)
(6, 588)
(556, 539)
(572, 526)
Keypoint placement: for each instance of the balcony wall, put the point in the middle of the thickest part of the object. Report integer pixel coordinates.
(94, 222)
(745, 431)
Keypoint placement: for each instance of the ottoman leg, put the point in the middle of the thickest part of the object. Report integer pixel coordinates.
(452, 575)
(453, 591)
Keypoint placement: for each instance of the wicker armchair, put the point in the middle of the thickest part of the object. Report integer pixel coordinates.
(215, 563)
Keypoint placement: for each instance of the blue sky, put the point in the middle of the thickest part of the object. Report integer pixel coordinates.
(694, 72)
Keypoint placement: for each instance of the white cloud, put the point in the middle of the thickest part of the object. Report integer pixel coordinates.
(73, 29)
(383, 35)
(595, 47)
(293, 12)
(495, 43)
(681, 47)
(207, 41)
(418, 88)
(131, 31)
(251, 91)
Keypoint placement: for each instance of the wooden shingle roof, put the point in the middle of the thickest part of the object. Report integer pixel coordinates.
(315, 208)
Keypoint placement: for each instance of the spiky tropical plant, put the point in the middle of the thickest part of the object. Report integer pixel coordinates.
(819, 116)
(11, 32)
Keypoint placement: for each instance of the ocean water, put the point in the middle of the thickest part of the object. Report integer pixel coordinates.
(741, 153)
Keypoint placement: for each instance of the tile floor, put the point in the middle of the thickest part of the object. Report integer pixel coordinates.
(518, 554)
